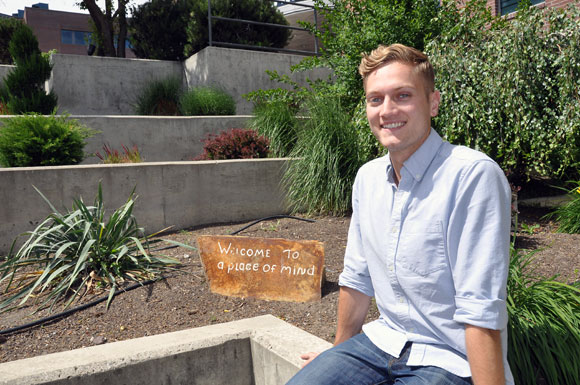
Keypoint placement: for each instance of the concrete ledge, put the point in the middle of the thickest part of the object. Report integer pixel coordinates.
(179, 194)
(262, 350)
(545, 202)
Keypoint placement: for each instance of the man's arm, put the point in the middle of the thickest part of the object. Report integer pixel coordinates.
(484, 354)
(353, 307)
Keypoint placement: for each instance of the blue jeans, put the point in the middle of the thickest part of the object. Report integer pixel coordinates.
(359, 362)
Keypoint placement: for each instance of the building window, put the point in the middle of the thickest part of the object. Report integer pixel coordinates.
(509, 6)
(75, 37)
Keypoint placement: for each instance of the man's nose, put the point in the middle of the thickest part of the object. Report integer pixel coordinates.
(388, 106)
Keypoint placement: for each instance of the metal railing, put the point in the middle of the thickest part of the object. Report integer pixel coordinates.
(252, 22)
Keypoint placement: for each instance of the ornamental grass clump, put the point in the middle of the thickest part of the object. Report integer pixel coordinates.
(327, 156)
(544, 326)
(69, 254)
(159, 97)
(112, 156)
(568, 214)
(207, 101)
(276, 121)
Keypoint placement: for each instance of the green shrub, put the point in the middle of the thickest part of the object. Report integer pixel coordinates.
(159, 97)
(37, 140)
(510, 89)
(207, 101)
(236, 32)
(25, 83)
(544, 326)
(7, 27)
(568, 214)
(68, 253)
(237, 143)
(276, 121)
(157, 29)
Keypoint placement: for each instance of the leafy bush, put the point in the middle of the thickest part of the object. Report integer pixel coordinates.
(159, 97)
(510, 89)
(111, 156)
(7, 27)
(277, 122)
(352, 27)
(544, 326)
(568, 214)
(157, 29)
(25, 83)
(207, 101)
(37, 140)
(236, 32)
(236, 143)
(69, 253)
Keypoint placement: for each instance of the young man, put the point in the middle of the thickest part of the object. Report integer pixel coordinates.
(428, 239)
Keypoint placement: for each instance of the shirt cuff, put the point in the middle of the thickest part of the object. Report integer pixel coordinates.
(489, 314)
(357, 282)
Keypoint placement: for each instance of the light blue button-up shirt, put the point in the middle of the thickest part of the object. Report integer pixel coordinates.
(433, 251)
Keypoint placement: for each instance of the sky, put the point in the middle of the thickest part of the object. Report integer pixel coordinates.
(8, 7)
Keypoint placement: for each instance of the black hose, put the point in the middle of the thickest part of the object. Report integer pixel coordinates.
(140, 284)
(272, 217)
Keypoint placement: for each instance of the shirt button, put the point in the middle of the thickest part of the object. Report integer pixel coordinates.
(401, 300)
(394, 229)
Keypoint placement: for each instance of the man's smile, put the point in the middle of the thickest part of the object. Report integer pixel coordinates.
(393, 125)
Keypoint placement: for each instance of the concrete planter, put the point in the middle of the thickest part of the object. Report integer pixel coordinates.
(178, 194)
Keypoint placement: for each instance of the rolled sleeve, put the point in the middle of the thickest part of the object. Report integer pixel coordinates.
(489, 314)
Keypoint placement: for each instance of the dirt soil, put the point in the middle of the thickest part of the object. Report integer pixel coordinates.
(183, 301)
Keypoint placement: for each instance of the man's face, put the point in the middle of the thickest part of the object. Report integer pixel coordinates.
(399, 108)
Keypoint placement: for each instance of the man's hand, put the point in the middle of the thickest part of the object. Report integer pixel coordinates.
(308, 357)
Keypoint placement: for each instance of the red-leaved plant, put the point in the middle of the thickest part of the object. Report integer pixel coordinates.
(236, 143)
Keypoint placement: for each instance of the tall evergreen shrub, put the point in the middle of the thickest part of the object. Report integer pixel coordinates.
(25, 83)
(7, 27)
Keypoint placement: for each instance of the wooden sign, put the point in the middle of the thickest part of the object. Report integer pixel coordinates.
(263, 268)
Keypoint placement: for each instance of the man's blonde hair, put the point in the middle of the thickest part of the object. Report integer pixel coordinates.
(383, 55)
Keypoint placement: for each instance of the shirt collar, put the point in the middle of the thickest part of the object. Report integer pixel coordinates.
(417, 163)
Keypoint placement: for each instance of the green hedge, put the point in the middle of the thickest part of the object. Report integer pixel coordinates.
(512, 89)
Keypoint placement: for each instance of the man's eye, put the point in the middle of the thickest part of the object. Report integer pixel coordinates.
(404, 96)
(374, 100)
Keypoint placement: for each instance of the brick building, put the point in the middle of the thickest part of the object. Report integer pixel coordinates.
(505, 7)
(67, 32)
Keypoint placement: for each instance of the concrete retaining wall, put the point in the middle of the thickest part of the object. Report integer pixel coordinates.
(87, 85)
(240, 71)
(179, 194)
(158, 138)
(262, 351)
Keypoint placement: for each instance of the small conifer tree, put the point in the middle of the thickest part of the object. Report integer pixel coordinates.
(25, 83)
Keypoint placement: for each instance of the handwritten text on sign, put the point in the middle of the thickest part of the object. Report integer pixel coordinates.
(264, 268)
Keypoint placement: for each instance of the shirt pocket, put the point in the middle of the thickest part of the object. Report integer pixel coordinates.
(422, 248)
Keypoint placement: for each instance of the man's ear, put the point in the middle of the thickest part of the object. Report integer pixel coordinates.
(435, 99)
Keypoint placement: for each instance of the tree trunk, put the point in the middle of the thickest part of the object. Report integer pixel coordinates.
(122, 22)
(104, 24)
